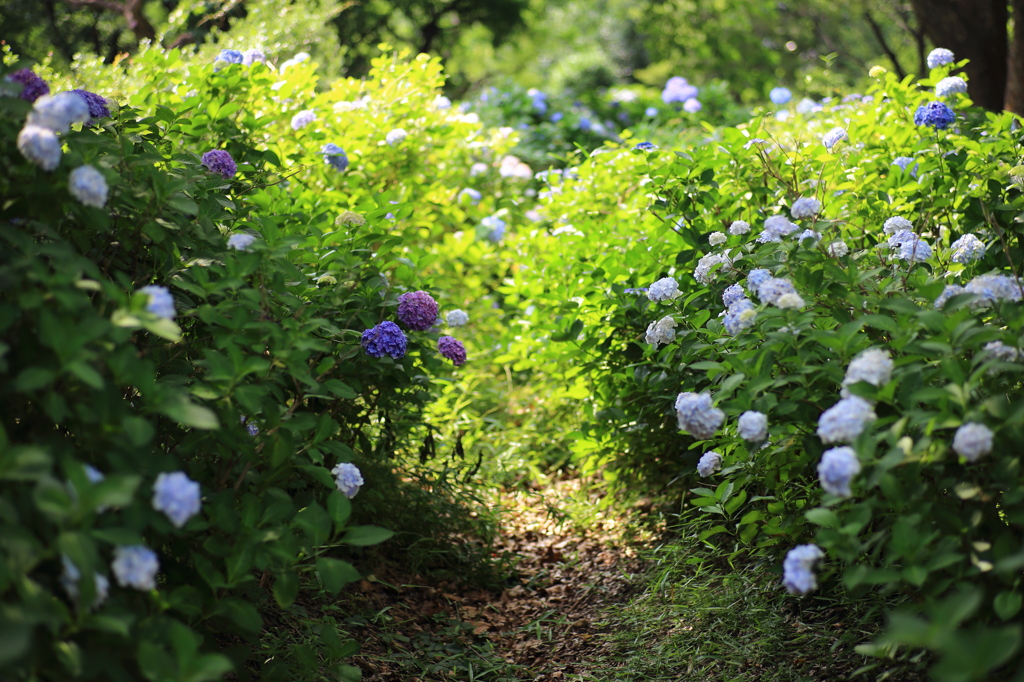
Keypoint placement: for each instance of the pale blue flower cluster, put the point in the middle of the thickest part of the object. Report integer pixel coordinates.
(949, 292)
(135, 566)
(967, 249)
(805, 207)
(897, 224)
(303, 118)
(456, 318)
(58, 112)
(797, 570)
(664, 289)
(230, 56)
(709, 463)
(757, 277)
(739, 227)
(348, 478)
(940, 56)
(911, 247)
(40, 146)
(903, 162)
(177, 496)
(71, 576)
(873, 365)
(753, 426)
(845, 420)
(740, 315)
(395, 136)
(809, 234)
(1001, 351)
(703, 272)
(697, 416)
(677, 89)
(88, 185)
(834, 137)
(662, 332)
(775, 228)
(773, 288)
(780, 95)
(334, 156)
(470, 194)
(993, 288)
(972, 441)
(161, 302)
(836, 470)
(495, 227)
(952, 85)
(240, 241)
(732, 294)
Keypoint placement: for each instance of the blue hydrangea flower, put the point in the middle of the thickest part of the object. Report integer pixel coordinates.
(697, 416)
(993, 288)
(88, 185)
(775, 228)
(740, 315)
(732, 294)
(135, 566)
(753, 426)
(780, 95)
(805, 207)
(651, 112)
(845, 420)
(709, 463)
(395, 136)
(773, 288)
(303, 118)
(797, 574)
(250, 428)
(384, 339)
(231, 56)
(177, 496)
(972, 440)
(904, 161)
(161, 302)
(912, 248)
(334, 156)
(646, 146)
(240, 241)
(757, 277)
(471, 194)
(495, 227)
(557, 116)
(807, 106)
(348, 478)
(934, 114)
(664, 289)
(251, 56)
(834, 137)
(940, 56)
(677, 89)
(692, 105)
(71, 576)
(949, 292)
(953, 85)
(967, 249)
(58, 112)
(456, 318)
(836, 470)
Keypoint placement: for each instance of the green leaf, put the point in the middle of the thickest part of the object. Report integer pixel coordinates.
(187, 413)
(340, 509)
(286, 589)
(117, 490)
(241, 613)
(183, 204)
(88, 375)
(822, 517)
(363, 536)
(335, 573)
(33, 378)
(1007, 604)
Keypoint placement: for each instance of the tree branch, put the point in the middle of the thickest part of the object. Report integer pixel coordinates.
(131, 10)
(880, 37)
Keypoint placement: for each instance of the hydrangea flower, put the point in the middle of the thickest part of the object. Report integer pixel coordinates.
(838, 249)
(334, 156)
(646, 146)
(71, 576)
(903, 162)
(34, 86)
(250, 428)
(732, 294)
(651, 112)
(753, 426)
(912, 248)
(953, 85)
(940, 56)
(773, 288)
(791, 301)
(456, 318)
(452, 349)
(1001, 351)
(972, 440)
(756, 142)
(252, 56)
(384, 339)
(442, 102)
(967, 249)
(807, 106)
(697, 416)
(97, 105)
(837, 468)
(949, 292)
(417, 310)
(240, 241)
(845, 420)
(395, 136)
(775, 228)
(93, 474)
(780, 95)
(350, 218)
(495, 228)
(303, 119)
(872, 365)
(677, 89)
(877, 71)
(135, 566)
(934, 114)
(664, 289)
(39, 146)
(703, 274)
(220, 162)
(88, 186)
(716, 238)
(834, 137)
(348, 478)
(896, 224)
(739, 227)
(809, 234)
(662, 332)
(709, 463)
(230, 56)
(740, 315)
(993, 288)
(757, 277)
(161, 302)
(805, 207)
(477, 168)
(177, 496)
(692, 105)
(797, 574)
(471, 194)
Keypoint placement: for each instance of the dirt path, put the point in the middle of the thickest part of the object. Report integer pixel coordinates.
(546, 626)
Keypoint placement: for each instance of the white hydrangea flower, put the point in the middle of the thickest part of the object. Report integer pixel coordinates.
(805, 207)
(972, 440)
(709, 463)
(897, 224)
(753, 426)
(837, 468)
(716, 238)
(395, 136)
(967, 249)
(662, 332)
(456, 318)
(664, 289)
(40, 146)
(703, 274)
(873, 366)
(135, 566)
(739, 227)
(58, 112)
(88, 186)
(845, 420)
(1001, 351)
(838, 249)
(791, 301)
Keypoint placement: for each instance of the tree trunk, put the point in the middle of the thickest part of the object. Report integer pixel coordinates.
(974, 30)
(1015, 77)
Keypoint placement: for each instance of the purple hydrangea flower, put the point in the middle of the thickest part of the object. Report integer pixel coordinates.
(692, 105)
(780, 95)
(677, 89)
(177, 496)
(135, 566)
(934, 114)
(452, 349)
(348, 478)
(303, 118)
(34, 86)
(334, 156)
(98, 106)
(417, 310)
(219, 161)
(384, 339)
(231, 56)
